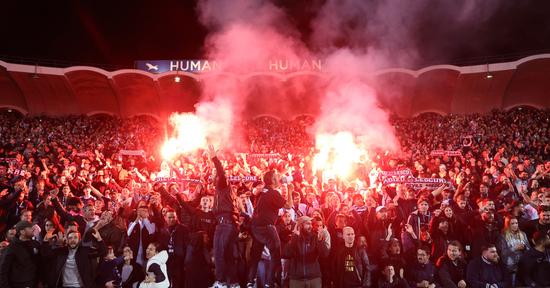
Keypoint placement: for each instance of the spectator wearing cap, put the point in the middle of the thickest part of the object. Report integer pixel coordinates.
(534, 265)
(415, 222)
(380, 230)
(487, 270)
(304, 250)
(19, 267)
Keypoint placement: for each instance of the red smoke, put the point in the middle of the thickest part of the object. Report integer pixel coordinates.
(354, 38)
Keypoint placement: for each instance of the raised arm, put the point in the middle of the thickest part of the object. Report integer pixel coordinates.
(221, 182)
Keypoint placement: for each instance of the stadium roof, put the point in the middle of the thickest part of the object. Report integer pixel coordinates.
(444, 89)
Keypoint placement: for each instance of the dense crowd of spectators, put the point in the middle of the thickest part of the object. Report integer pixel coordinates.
(75, 211)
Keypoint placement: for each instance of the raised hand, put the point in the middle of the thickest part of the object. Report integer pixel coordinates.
(96, 235)
(211, 151)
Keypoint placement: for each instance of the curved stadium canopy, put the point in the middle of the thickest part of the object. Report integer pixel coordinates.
(444, 89)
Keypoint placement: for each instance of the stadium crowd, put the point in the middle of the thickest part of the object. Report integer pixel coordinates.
(86, 202)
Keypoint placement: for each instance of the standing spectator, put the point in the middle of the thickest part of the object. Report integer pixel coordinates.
(304, 250)
(417, 220)
(512, 243)
(141, 233)
(351, 263)
(534, 264)
(422, 272)
(174, 236)
(198, 262)
(20, 259)
(451, 268)
(226, 233)
(542, 224)
(487, 270)
(73, 262)
(263, 229)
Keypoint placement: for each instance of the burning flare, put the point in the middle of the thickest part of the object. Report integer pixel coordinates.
(190, 134)
(338, 154)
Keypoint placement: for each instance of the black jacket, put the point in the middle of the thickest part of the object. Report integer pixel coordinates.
(137, 275)
(65, 216)
(180, 235)
(448, 273)
(84, 256)
(224, 204)
(304, 252)
(20, 264)
(146, 238)
(417, 273)
(480, 273)
(361, 265)
(534, 268)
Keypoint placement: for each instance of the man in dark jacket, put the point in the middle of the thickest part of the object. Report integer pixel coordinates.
(141, 232)
(226, 233)
(304, 251)
(72, 263)
(174, 236)
(263, 228)
(422, 272)
(19, 265)
(351, 263)
(451, 268)
(485, 232)
(534, 264)
(487, 270)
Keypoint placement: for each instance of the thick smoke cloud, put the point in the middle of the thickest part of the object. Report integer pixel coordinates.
(354, 37)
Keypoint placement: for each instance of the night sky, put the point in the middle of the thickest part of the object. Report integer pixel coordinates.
(119, 32)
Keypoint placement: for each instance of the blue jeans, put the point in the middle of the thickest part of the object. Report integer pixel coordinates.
(265, 236)
(225, 252)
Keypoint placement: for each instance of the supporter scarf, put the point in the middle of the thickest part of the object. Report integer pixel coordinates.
(262, 155)
(132, 152)
(177, 180)
(397, 176)
(450, 153)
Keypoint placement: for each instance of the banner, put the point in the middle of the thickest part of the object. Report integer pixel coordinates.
(264, 155)
(177, 180)
(417, 183)
(208, 65)
(450, 153)
(16, 172)
(236, 179)
(132, 152)
(397, 176)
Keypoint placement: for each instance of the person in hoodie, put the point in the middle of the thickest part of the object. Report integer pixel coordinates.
(304, 250)
(155, 269)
